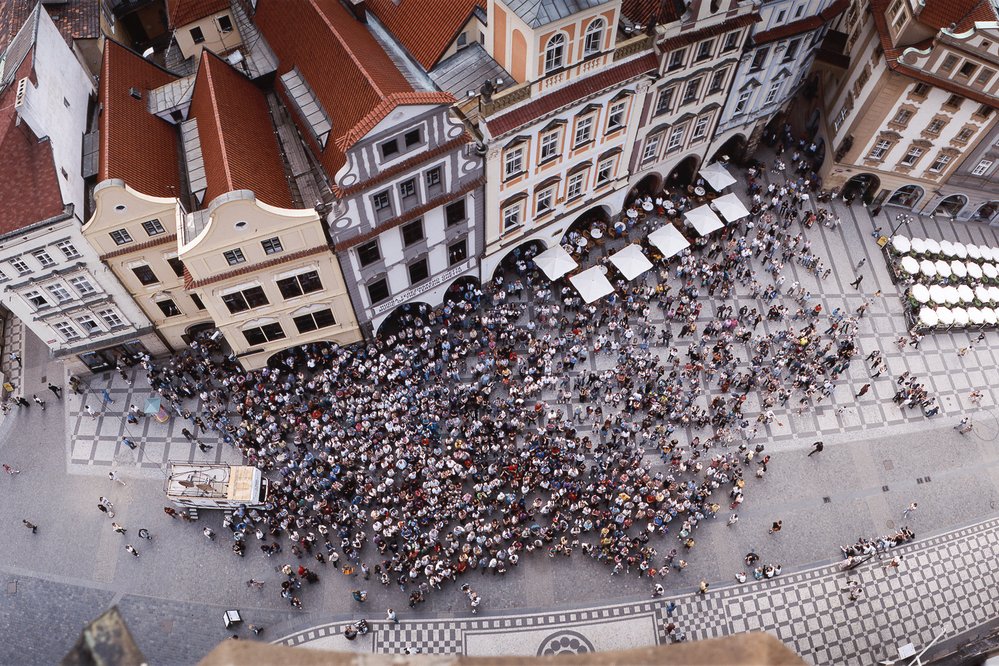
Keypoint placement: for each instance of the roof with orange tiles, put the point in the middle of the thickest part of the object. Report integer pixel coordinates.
(984, 12)
(238, 144)
(350, 73)
(136, 146)
(76, 19)
(425, 40)
(30, 191)
(555, 100)
(183, 12)
(943, 13)
(804, 25)
(645, 12)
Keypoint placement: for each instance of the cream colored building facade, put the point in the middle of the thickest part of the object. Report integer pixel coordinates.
(218, 32)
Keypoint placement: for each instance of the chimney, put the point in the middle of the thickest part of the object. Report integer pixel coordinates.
(358, 9)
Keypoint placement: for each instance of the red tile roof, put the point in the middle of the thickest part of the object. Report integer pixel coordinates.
(591, 85)
(426, 40)
(136, 146)
(687, 38)
(238, 145)
(644, 12)
(942, 13)
(349, 72)
(30, 191)
(76, 19)
(804, 25)
(182, 12)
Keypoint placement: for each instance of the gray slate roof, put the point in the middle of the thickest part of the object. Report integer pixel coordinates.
(537, 13)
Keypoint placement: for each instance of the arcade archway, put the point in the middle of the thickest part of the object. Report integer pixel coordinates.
(733, 150)
(683, 173)
(862, 186)
(906, 196)
(986, 212)
(522, 253)
(951, 205)
(404, 316)
(650, 185)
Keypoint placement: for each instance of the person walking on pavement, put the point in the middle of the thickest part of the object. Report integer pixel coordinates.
(55, 391)
(30, 525)
(113, 476)
(14, 356)
(702, 588)
(863, 391)
(129, 443)
(391, 616)
(188, 434)
(860, 264)
(10, 470)
(776, 527)
(105, 505)
(818, 446)
(144, 534)
(209, 534)
(205, 448)
(909, 509)
(856, 283)
(170, 511)
(90, 411)
(21, 401)
(732, 520)
(132, 550)
(360, 596)
(658, 590)
(118, 528)
(964, 426)
(106, 396)
(38, 401)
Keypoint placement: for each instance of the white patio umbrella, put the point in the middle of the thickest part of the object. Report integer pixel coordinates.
(987, 252)
(928, 317)
(918, 245)
(945, 316)
(994, 294)
(960, 316)
(990, 271)
(591, 284)
(960, 250)
(943, 268)
(982, 294)
(920, 293)
(947, 249)
(631, 261)
(909, 265)
(669, 240)
(932, 246)
(990, 316)
(976, 316)
(974, 270)
(951, 296)
(730, 207)
(555, 262)
(973, 252)
(958, 269)
(937, 294)
(927, 268)
(964, 291)
(901, 244)
(717, 176)
(704, 220)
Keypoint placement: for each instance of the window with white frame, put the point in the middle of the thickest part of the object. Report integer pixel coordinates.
(896, 14)
(120, 236)
(704, 50)
(615, 117)
(66, 330)
(743, 101)
(690, 90)
(651, 147)
(605, 170)
(700, 128)
(731, 42)
(840, 118)
(555, 53)
(760, 58)
(935, 126)
(545, 200)
(153, 227)
(111, 318)
(792, 49)
(272, 245)
(912, 156)
(675, 138)
(718, 81)
(512, 217)
(59, 292)
(20, 266)
(594, 37)
(35, 298)
(665, 100)
(513, 162)
(677, 59)
(880, 149)
(234, 256)
(574, 188)
(82, 285)
(965, 134)
(549, 145)
(584, 131)
(44, 258)
(902, 117)
(68, 249)
(982, 168)
(88, 324)
(773, 92)
(940, 163)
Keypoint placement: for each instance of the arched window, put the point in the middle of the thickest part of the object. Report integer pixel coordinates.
(594, 37)
(555, 53)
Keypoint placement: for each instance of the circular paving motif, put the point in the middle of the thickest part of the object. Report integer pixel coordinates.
(565, 642)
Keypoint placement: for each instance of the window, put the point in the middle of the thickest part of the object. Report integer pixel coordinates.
(264, 334)
(935, 126)
(584, 131)
(433, 177)
(912, 156)
(198, 303)
(418, 271)
(675, 138)
(965, 134)
(949, 62)
(967, 69)
(82, 285)
(272, 245)
(902, 117)
(457, 252)
(743, 101)
(799, 11)
(407, 188)
(940, 163)
(665, 100)
(462, 40)
(982, 168)
(554, 53)
(68, 249)
(454, 213)
(44, 258)
(177, 265)
(773, 92)
(615, 118)
(880, 149)
(760, 58)
(717, 81)
(984, 111)
(225, 24)
(594, 37)
(66, 330)
(544, 201)
(920, 90)
(731, 42)
(314, 320)
(145, 274)
(704, 50)
(513, 162)
(575, 186)
(35, 298)
(241, 301)
(368, 253)
(896, 14)
(111, 318)
(120, 237)
(549, 146)
(792, 49)
(840, 118)
(651, 148)
(59, 292)
(378, 291)
(691, 90)
(234, 256)
(954, 101)
(511, 217)
(153, 227)
(197, 35)
(605, 170)
(984, 76)
(411, 138)
(700, 128)
(299, 285)
(168, 307)
(380, 200)
(780, 17)
(88, 324)
(412, 233)
(389, 148)
(677, 59)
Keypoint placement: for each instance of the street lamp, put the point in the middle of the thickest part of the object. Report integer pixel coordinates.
(900, 219)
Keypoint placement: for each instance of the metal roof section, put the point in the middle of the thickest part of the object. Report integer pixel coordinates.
(307, 105)
(537, 13)
(18, 49)
(467, 70)
(194, 163)
(171, 97)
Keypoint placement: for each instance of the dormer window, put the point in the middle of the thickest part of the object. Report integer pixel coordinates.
(594, 37)
(555, 53)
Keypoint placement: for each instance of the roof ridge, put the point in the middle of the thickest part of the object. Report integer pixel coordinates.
(218, 118)
(346, 47)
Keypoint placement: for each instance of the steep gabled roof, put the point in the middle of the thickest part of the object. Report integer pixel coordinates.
(76, 19)
(352, 77)
(136, 146)
(425, 27)
(646, 12)
(944, 13)
(182, 12)
(238, 145)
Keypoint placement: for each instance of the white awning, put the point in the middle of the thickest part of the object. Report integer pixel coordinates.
(975, 316)
(974, 270)
(704, 220)
(964, 291)
(901, 244)
(909, 265)
(631, 261)
(555, 262)
(989, 314)
(591, 284)
(717, 176)
(730, 207)
(960, 316)
(920, 293)
(928, 317)
(668, 240)
(945, 316)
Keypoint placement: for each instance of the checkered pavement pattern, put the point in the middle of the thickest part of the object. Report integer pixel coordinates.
(945, 585)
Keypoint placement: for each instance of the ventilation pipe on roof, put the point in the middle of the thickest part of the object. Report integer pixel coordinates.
(359, 9)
